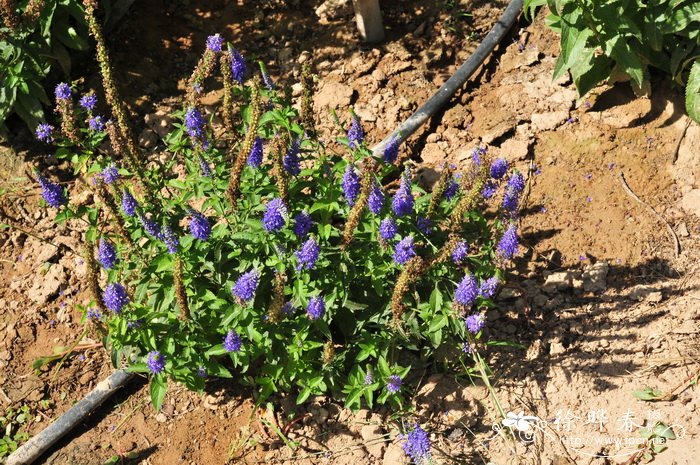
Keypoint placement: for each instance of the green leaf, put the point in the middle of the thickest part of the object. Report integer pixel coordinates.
(573, 43)
(159, 386)
(663, 431)
(647, 394)
(619, 50)
(692, 92)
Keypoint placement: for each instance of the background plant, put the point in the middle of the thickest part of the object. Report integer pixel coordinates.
(251, 249)
(613, 38)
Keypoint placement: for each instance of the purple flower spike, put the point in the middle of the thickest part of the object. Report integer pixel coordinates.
(451, 189)
(255, 157)
(194, 123)
(404, 250)
(290, 162)
(275, 215)
(302, 224)
(388, 228)
(129, 203)
(508, 245)
(488, 288)
(351, 185)
(170, 239)
(467, 290)
(424, 225)
(393, 384)
(402, 204)
(355, 134)
(417, 445)
(460, 252)
(51, 192)
(232, 341)
(88, 101)
(110, 174)
(475, 323)
(96, 123)
(238, 66)
(376, 199)
(514, 187)
(107, 254)
(245, 287)
(307, 254)
(44, 132)
(316, 308)
(199, 225)
(115, 297)
(499, 167)
(391, 151)
(62, 91)
(215, 42)
(155, 362)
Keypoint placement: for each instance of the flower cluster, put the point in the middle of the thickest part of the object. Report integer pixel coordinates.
(155, 362)
(275, 216)
(107, 254)
(402, 204)
(307, 254)
(115, 297)
(244, 289)
(232, 341)
(351, 185)
(417, 445)
(356, 135)
(404, 250)
(199, 225)
(51, 192)
(316, 308)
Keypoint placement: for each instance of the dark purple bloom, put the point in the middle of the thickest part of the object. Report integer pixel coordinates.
(499, 167)
(355, 134)
(316, 308)
(150, 226)
(62, 91)
(245, 287)
(376, 199)
(369, 378)
(232, 341)
(467, 290)
(170, 239)
(393, 384)
(94, 314)
(302, 224)
(514, 187)
(404, 250)
(307, 254)
(288, 308)
(391, 151)
(417, 445)
(402, 204)
(155, 362)
(468, 347)
(255, 157)
(351, 185)
(508, 245)
(199, 225)
(388, 228)
(215, 42)
(477, 154)
(490, 189)
(290, 162)
(201, 372)
(53, 193)
(129, 203)
(488, 288)
(475, 323)
(424, 225)
(107, 254)
(115, 297)
(275, 215)
(460, 252)
(88, 101)
(238, 66)
(451, 189)
(204, 167)
(134, 324)
(96, 123)
(44, 132)
(194, 123)
(110, 174)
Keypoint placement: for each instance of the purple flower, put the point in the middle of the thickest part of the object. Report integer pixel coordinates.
(376, 199)
(451, 189)
(351, 185)
(232, 341)
(424, 225)
(288, 308)
(460, 252)
(170, 239)
(62, 91)
(134, 324)
(393, 384)
(404, 250)
(388, 228)
(302, 224)
(499, 167)
(44, 132)
(275, 215)
(194, 123)
(355, 134)
(201, 372)
(514, 187)
(199, 225)
(129, 203)
(238, 66)
(316, 308)
(290, 162)
(215, 42)
(115, 297)
(94, 314)
(155, 362)
(475, 323)
(417, 445)
(508, 245)
(402, 204)
(88, 101)
(490, 189)
(468, 347)
(204, 167)
(150, 226)
(96, 123)
(107, 254)
(255, 157)
(391, 151)
(110, 174)
(267, 80)
(467, 290)
(307, 254)
(53, 193)
(369, 379)
(477, 154)
(245, 287)
(488, 288)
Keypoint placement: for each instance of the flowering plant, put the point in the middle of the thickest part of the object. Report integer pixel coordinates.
(254, 250)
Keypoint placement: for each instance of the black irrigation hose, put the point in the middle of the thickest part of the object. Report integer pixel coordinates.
(448, 89)
(37, 445)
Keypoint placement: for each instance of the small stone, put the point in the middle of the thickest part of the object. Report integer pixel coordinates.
(395, 455)
(595, 277)
(682, 230)
(85, 378)
(559, 281)
(47, 286)
(373, 435)
(548, 120)
(655, 297)
(161, 418)
(556, 348)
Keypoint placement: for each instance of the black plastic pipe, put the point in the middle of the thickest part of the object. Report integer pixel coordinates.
(457, 80)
